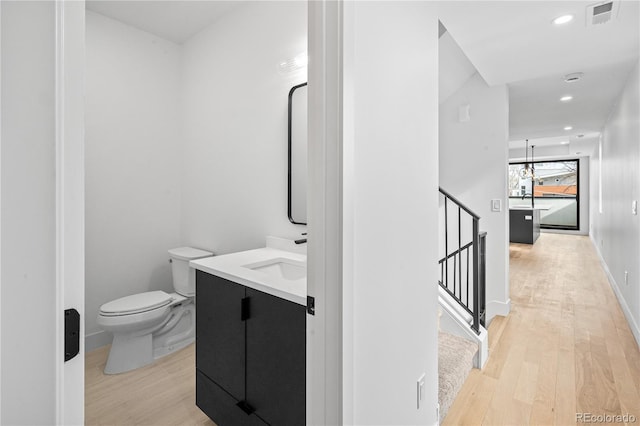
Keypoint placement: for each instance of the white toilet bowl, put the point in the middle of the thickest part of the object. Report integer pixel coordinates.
(147, 326)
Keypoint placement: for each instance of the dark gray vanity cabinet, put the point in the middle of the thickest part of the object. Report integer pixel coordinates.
(250, 355)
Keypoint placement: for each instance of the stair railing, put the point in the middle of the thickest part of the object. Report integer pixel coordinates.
(467, 260)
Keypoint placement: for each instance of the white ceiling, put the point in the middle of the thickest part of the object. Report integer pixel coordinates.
(511, 41)
(515, 43)
(173, 20)
(508, 42)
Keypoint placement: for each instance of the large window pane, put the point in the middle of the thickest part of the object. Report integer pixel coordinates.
(555, 189)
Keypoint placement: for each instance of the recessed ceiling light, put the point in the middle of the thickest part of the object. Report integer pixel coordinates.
(573, 77)
(566, 98)
(564, 19)
(568, 128)
(564, 143)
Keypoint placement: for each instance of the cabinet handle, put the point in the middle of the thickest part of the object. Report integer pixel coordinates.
(244, 406)
(245, 311)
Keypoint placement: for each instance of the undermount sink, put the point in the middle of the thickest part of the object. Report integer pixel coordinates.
(281, 268)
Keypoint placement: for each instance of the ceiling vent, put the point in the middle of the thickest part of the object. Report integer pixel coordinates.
(573, 77)
(601, 13)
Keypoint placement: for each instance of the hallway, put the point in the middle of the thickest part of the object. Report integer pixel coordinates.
(565, 348)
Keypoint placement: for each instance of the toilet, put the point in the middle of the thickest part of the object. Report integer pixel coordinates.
(147, 326)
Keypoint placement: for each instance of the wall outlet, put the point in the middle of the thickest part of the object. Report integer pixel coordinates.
(496, 205)
(626, 277)
(420, 389)
(634, 207)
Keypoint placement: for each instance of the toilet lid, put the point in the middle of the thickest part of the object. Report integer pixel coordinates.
(136, 303)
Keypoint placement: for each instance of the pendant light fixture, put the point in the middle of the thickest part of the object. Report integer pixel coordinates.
(533, 164)
(529, 169)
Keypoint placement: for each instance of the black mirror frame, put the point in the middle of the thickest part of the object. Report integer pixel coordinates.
(289, 152)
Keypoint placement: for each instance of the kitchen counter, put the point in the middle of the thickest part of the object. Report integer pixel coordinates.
(537, 207)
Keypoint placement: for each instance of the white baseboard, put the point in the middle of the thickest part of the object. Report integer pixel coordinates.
(495, 307)
(97, 340)
(633, 325)
(564, 231)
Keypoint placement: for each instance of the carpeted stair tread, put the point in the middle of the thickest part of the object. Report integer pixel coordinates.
(455, 361)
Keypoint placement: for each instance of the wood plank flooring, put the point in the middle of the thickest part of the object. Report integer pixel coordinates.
(162, 393)
(565, 348)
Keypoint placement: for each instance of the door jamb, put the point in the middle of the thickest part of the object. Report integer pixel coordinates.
(325, 213)
(69, 199)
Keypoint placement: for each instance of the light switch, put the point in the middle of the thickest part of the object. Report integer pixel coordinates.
(634, 207)
(496, 205)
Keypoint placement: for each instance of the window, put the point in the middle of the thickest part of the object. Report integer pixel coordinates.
(554, 190)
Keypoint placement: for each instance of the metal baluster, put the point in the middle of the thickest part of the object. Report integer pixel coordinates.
(446, 246)
(459, 250)
(454, 274)
(467, 250)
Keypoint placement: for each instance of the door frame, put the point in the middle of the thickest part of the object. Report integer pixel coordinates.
(324, 341)
(69, 201)
(325, 213)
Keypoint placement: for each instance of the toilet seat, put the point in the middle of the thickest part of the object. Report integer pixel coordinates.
(136, 304)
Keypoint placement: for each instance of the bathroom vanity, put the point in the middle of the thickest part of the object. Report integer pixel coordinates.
(251, 337)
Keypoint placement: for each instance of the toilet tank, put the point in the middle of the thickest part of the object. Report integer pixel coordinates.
(184, 277)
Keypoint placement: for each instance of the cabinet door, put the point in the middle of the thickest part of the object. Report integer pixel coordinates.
(220, 332)
(276, 362)
(221, 407)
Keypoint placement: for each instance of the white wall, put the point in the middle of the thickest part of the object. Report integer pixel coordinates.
(391, 153)
(615, 230)
(473, 168)
(235, 126)
(540, 152)
(133, 150)
(28, 310)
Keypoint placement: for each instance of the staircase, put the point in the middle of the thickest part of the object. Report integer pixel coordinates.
(463, 340)
(455, 361)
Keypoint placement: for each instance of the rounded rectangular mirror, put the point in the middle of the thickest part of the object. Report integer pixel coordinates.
(297, 173)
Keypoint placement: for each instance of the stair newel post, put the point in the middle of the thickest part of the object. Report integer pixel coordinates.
(476, 278)
(482, 283)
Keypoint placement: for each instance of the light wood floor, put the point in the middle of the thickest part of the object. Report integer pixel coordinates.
(565, 348)
(162, 393)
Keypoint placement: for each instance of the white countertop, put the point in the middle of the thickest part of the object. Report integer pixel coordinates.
(540, 207)
(233, 268)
